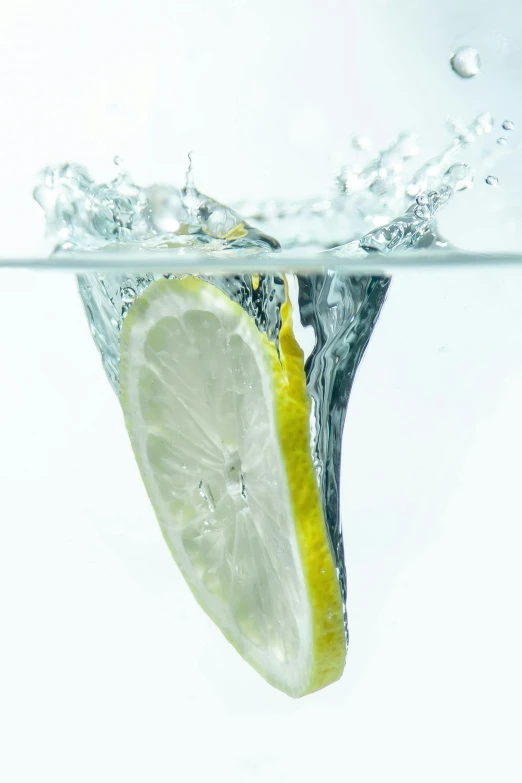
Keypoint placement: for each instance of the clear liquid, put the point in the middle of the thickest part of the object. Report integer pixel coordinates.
(466, 62)
(384, 205)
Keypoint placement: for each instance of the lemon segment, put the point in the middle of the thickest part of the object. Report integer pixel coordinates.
(219, 424)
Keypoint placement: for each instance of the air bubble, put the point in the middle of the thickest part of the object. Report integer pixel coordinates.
(491, 180)
(117, 160)
(508, 125)
(502, 141)
(128, 294)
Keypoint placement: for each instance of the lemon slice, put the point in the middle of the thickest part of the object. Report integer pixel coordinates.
(219, 424)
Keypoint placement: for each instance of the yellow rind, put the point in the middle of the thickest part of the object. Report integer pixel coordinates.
(324, 592)
(292, 419)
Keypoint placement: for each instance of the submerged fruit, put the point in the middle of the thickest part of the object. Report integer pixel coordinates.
(219, 423)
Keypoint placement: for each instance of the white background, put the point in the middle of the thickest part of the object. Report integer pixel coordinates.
(108, 669)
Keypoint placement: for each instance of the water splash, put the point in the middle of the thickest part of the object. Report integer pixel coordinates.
(361, 143)
(364, 197)
(358, 216)
(417, 227)
(84, 215)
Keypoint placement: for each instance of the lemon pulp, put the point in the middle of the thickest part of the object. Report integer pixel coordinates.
(219, 423)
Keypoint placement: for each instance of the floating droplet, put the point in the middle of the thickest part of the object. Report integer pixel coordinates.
(502, 141)
(361, 143)
(117, 160)
(508, 125)
(491, 180)
(466, 62)
(190, 187)
(190, 174)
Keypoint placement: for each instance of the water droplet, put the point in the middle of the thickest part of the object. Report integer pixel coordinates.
(508, 125)
(483, 124)
(466, 62)
(422, 200)
(189, 177)
(361, 143)
(491, 180)
(461, 175)
(192, 199)
(117, 160)
(45, 196)
(502, 141)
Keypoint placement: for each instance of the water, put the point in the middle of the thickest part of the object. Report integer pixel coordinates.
(361, 143)
(385, 204)
(466, 62)
(368, 195)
